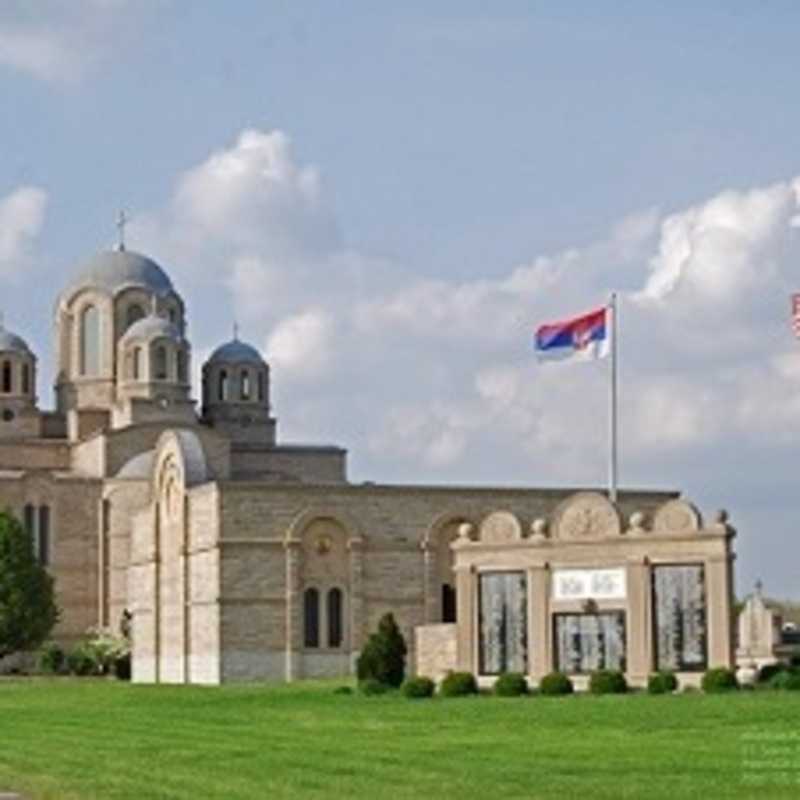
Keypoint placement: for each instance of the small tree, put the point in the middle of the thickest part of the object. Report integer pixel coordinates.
(27, 608)
(383, 657)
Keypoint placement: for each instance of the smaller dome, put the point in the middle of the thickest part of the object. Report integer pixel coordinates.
(114, 270)
(140, 466)
(11, 343)
(236, 352)
(152, 327)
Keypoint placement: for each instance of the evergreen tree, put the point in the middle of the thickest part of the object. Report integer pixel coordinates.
(27, 607)
(383, 657)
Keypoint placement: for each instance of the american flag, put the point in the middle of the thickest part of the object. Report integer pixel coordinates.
(796, 314)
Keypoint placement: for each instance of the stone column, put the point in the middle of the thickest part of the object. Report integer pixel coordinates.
(358, 619)
(294, 609)
(639, 628)
(466, 612)
(719, 611)
(539, 645)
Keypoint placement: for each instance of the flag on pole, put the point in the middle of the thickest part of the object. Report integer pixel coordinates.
(796, 314)
(579, 338)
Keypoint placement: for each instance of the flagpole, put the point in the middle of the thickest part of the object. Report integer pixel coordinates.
(613, 422)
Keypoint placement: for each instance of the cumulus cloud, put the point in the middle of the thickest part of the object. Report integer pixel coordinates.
(59, 41)
(21, 218)
(301, 345)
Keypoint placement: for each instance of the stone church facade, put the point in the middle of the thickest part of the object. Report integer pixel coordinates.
(239, 557)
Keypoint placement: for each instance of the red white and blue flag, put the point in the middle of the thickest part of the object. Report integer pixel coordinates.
(584, 337)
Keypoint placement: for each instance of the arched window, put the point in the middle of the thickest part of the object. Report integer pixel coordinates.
(182, 376)
(160, 373)
(260, 387)
(133, 314)
(223, 385)
(90, 341)
(448, 603)
(136, 365)
(6, 377)
(43, 536)
(173, 315)
(26, 379)
(245, 392)
(335, 621)
(311, 618)
(28, 517)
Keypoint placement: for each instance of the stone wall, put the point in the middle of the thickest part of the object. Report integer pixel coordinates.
(437, 652)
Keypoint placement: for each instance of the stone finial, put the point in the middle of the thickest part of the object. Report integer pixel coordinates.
(466, 531)
(721, 517)
(636, 521)
(539, 531)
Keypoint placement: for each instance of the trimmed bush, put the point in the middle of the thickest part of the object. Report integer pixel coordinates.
(122, 667)
(458, 684)
(51, 658)
(607, 681)
(383, 657)
(371, 687)
(786, 679)
(419, 687)
(663, 682)
(769, 671)
(554, 684)
(511, 684)
(719, 679)
(81, 661)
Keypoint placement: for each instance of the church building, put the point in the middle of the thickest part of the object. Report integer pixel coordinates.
(240, 557)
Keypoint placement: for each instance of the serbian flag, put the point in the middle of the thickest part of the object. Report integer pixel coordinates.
(584, 337)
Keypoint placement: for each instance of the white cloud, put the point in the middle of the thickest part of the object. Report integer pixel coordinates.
(59, 41)
(301, 345)
(21, 218)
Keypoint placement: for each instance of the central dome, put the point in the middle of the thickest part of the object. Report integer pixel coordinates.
(114, 270)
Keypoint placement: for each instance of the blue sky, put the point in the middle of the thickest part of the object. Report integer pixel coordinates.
(388, 197)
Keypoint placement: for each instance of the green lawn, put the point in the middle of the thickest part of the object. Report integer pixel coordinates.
(74, 738)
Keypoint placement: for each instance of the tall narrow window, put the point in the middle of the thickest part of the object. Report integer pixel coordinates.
(503, 611)
(223, 385)
(335, 621)
(137, 363)
(43, 536)
(161, 363)
(245, 385)
(29, 520)
(311, 618)
(26, 379)
(134, 314)
(261, 387)
(679, 611)
(182, 372)
(90, 341)
(6, 377)
(448, 603)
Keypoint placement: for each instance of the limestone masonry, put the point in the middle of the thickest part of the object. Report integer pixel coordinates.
(242, 558)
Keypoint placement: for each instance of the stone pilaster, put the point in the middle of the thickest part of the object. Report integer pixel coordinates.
(358, 616)
(467, 619)
(719, 605)
(294, 609)
(539, 639)
(639, 634)
(430, 586)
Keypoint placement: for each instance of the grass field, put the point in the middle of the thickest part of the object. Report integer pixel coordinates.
(80, 738)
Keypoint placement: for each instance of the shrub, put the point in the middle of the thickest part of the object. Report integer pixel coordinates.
(51, 658)
(663, 682)
(383, 658)
(511, 684)
(786, 679)
(343, 690)
(719, 679)
(81, 661)
(554, 684)
(122, 667)
(370, 687)
(418, 687)
(607, 681)
(458, 684)
(769, 671)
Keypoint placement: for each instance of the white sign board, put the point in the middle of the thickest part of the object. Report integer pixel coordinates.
(589, 584)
